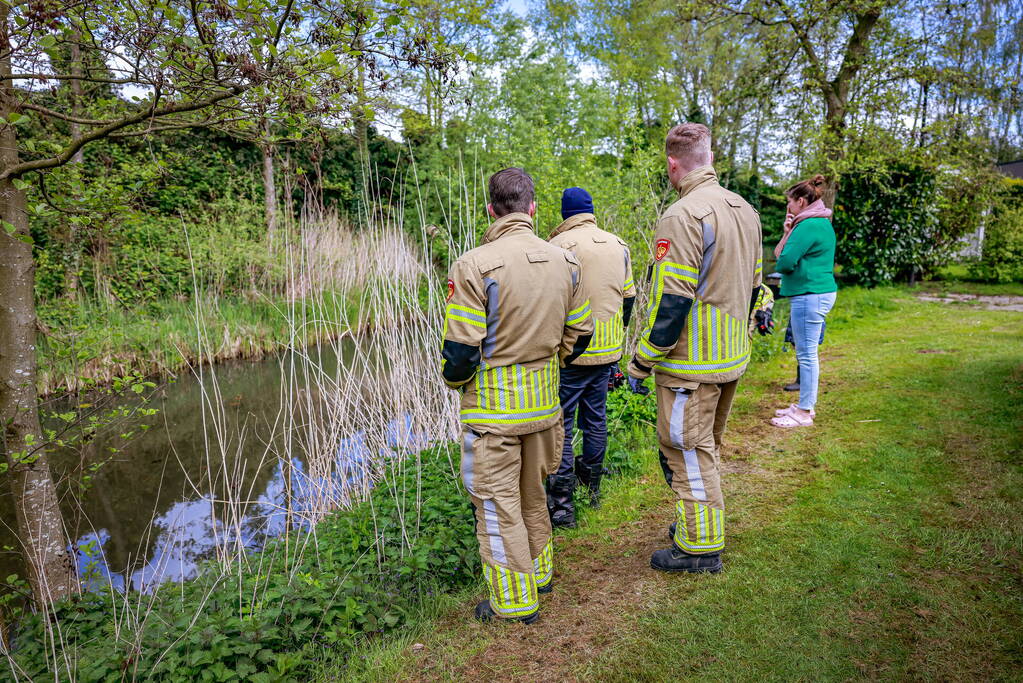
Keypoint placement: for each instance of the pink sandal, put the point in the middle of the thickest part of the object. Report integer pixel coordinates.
(791, 409)
(792, 419)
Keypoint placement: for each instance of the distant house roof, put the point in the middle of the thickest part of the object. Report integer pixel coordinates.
(1013, 169)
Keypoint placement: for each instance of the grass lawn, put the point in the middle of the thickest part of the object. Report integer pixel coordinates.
(887, 542)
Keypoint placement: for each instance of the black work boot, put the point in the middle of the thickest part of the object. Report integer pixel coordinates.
(671, 531)
(590, 478)
(485, 613)
(674, 560)
(795, 384)
(544, 590)
(560, 489)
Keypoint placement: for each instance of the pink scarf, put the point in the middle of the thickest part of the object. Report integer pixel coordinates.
(815, 210)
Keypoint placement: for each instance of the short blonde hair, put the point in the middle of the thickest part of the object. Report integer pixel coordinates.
(689, 143)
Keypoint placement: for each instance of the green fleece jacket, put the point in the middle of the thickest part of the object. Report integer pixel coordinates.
(807, 263)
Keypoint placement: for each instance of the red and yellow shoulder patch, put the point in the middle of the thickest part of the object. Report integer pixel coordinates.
(661, 249)
(451, 289)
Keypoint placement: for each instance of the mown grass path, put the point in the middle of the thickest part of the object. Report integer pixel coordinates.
(887, 542)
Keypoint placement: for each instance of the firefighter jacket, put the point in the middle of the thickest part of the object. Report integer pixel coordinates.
(705, 279)
(516, 312)
(607, 283)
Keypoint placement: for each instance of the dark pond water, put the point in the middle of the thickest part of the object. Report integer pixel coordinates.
(150, 513)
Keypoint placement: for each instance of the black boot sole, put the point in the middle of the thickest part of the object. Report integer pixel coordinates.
(487, 615)
(716, 569)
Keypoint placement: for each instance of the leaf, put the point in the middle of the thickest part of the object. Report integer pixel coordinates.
(47, 41)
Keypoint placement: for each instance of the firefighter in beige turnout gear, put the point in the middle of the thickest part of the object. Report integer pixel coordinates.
(607, 281)
(705, 282)
(515, 313)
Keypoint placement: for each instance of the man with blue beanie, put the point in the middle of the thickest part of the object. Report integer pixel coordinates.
(607, 280)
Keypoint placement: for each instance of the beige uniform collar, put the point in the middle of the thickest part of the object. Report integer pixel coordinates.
(574, 222)
(704, 175)
(512, 222)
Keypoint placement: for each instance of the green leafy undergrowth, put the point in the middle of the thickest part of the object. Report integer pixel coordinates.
(363, 572)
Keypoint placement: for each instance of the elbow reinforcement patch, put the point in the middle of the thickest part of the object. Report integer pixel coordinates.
(671, 317)
(580, 345)
(627, 305)
(460, 361)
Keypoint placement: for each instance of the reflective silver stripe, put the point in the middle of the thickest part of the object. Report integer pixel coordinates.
(462, 312)
(468, 439)
(492, 289)
(727, 365)
(676, 424)
(501, 385)
(694, 474)
(709, 244)
(676, 430)
(684, 272)
(494, 532)
(497, 416)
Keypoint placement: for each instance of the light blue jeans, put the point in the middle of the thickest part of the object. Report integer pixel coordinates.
(808, 313)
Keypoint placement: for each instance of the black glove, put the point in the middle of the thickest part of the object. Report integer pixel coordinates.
(617, 378)
(765, 322)
(636, 386)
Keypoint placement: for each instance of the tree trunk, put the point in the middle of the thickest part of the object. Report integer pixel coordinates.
(73, 250)
(40, 526)
(269, 188)
(834, 143)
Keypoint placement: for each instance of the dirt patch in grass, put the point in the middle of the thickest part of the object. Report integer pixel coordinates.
(602, 583)
(991, 302)
(598, 583)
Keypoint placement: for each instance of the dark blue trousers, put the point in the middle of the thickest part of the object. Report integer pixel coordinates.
(584, 392)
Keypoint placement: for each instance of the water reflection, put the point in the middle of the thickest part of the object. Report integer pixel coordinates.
(191, 531)
(150, 516)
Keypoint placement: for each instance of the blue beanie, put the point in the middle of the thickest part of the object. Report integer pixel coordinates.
(575, 200)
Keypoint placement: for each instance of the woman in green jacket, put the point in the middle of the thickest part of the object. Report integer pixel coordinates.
(806, 260)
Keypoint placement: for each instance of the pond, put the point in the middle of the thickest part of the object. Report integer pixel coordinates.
(155, 509)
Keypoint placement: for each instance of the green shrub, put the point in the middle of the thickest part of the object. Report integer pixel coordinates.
(1002, 254)
(886, 223)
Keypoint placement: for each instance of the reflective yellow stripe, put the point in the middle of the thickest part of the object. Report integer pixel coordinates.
(515, 395)
(512, 593)
(579, 314)
(680, 272)
(707, 532)
(543, 565)
(465, 314)
(608, 337)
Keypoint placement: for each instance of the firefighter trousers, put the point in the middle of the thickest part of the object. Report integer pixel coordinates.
(504, 476)
(690, 423)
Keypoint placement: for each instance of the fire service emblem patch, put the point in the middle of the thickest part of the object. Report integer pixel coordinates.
(451, 289)
(662, 249)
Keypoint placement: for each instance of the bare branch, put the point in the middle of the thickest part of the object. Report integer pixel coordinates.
(208, 123)
(70, 77)
(100, 133)
(63, 117)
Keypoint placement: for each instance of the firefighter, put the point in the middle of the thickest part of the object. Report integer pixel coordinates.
(705, 284)
(607, 282)
(516, 313)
